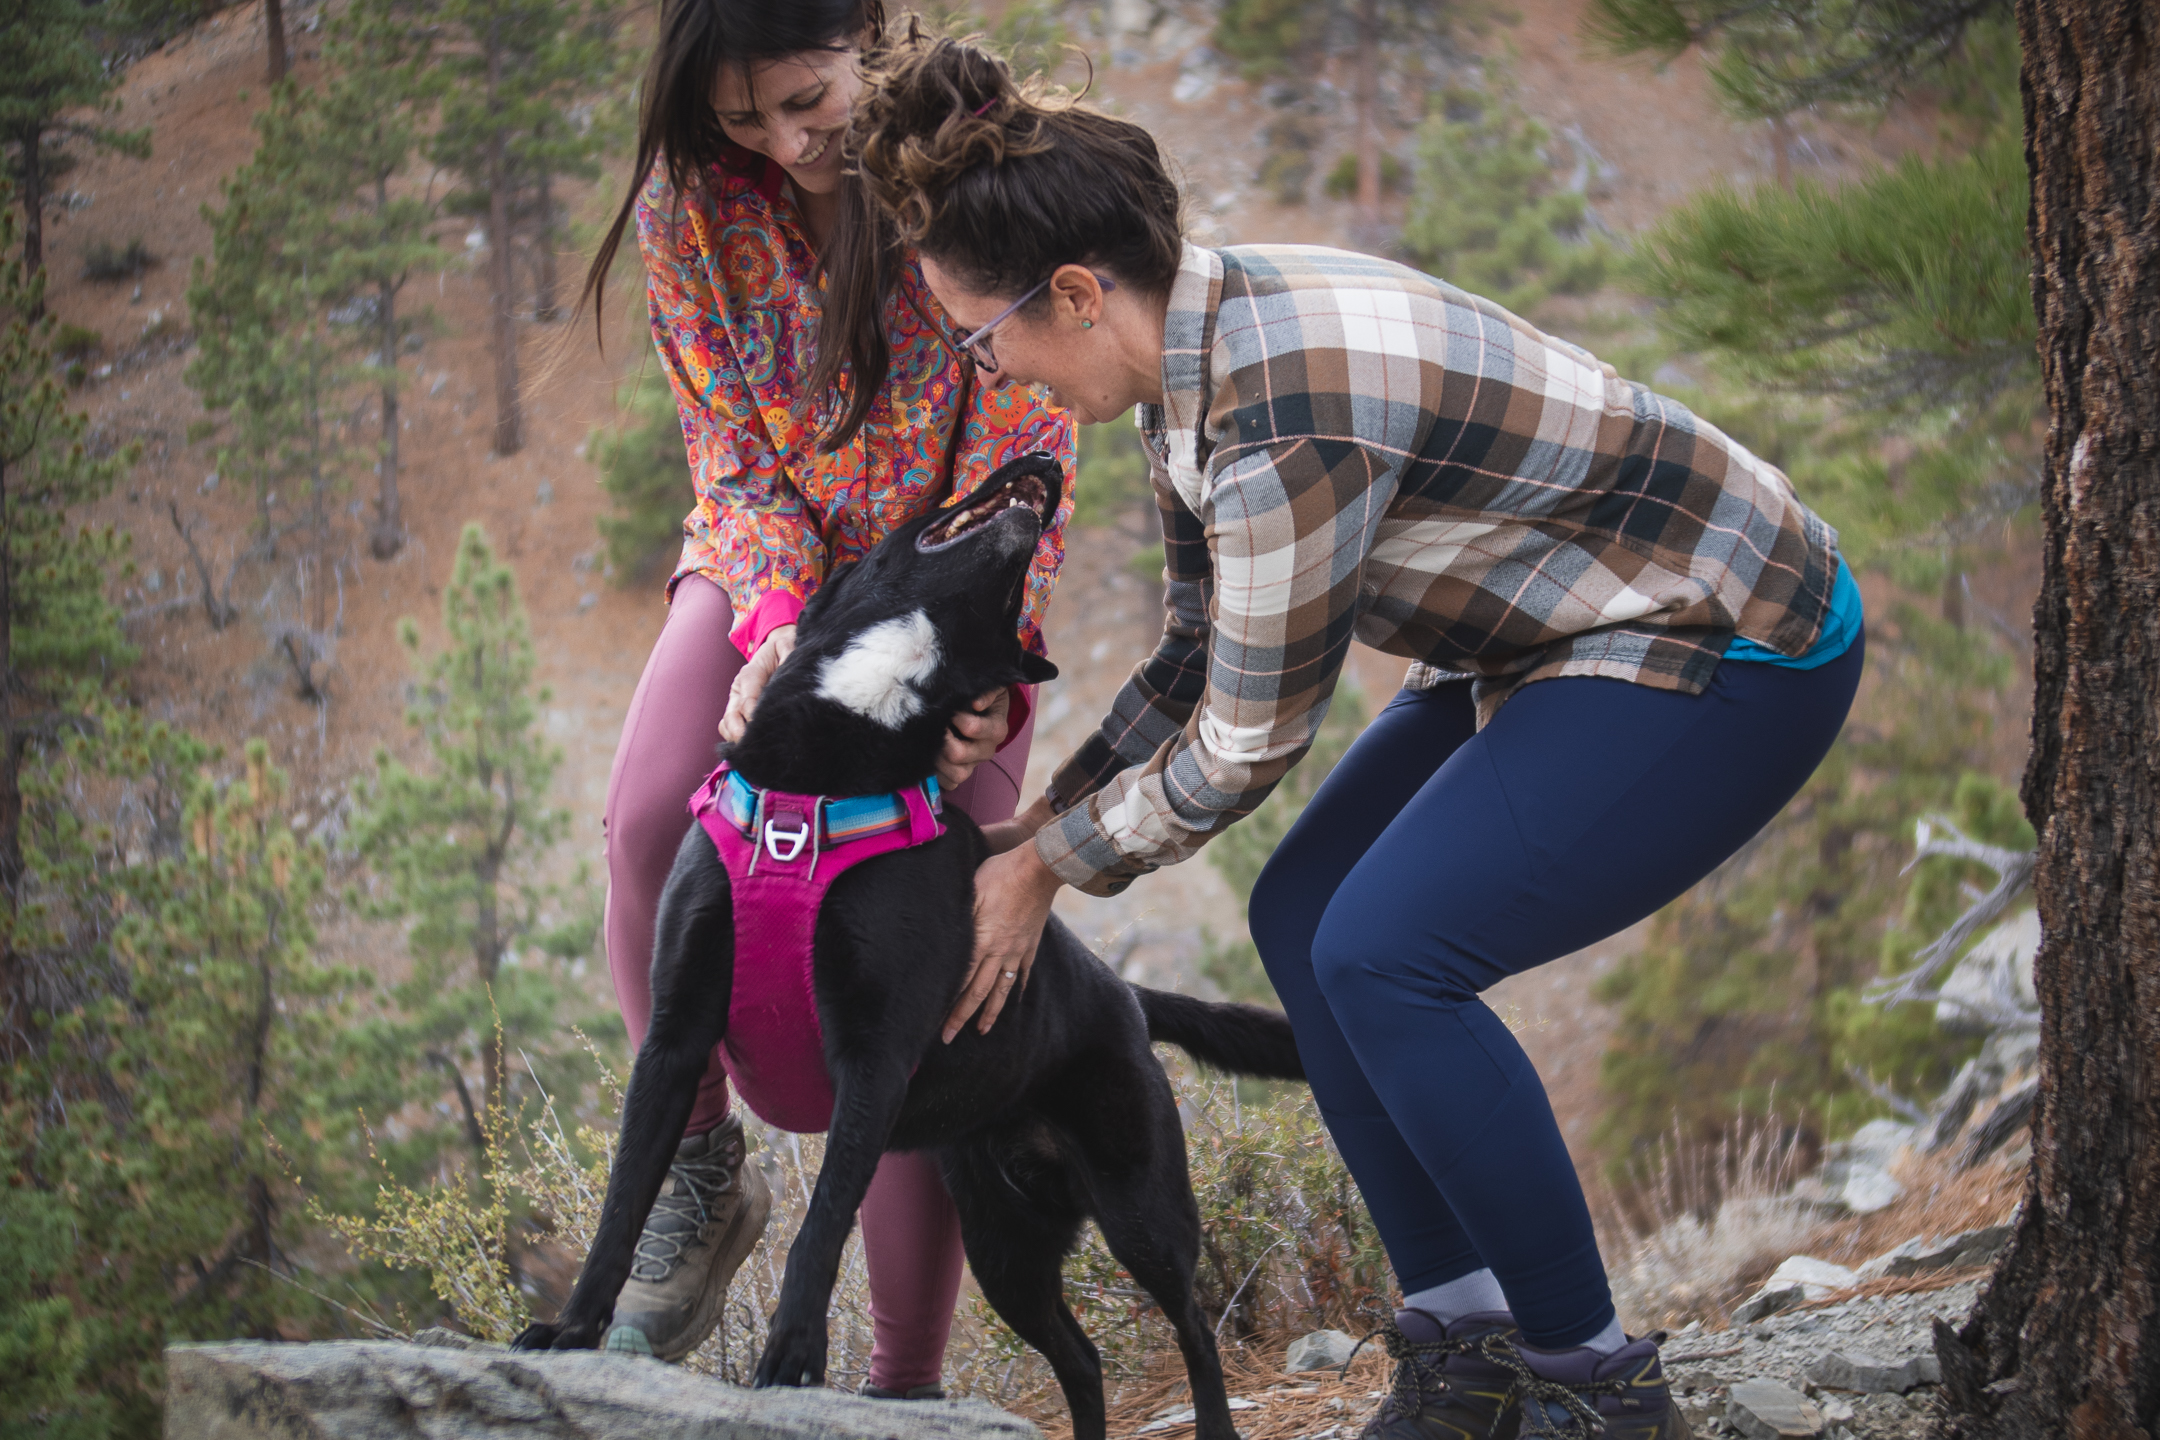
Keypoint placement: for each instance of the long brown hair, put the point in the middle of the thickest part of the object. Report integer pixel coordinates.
(677, 127)
(1002, 181)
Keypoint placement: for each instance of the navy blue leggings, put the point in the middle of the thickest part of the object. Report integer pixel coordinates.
(1437, 859)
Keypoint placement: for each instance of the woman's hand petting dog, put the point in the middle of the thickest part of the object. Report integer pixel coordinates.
(1013, 892)
(750, 681)
(1004, 835)
(973, 737)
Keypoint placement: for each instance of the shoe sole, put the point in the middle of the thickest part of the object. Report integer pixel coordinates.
(735, 1247)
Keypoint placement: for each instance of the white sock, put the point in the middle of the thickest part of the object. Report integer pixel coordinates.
(1464, 1295)
(1611, 1338)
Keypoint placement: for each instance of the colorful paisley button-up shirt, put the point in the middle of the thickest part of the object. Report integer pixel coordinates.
(730, 285)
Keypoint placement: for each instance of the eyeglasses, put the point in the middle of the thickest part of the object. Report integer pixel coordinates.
(976, 346)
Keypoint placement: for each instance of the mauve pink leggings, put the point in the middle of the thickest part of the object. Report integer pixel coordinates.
(911, 1233)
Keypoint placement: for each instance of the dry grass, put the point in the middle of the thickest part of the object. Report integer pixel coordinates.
(1287, 1407)
(1287, 1250)
(1709, 1223)
(1684, 1243)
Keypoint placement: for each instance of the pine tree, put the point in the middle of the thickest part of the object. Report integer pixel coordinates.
(1281, 37)
(1896, 303)
(645, 472)
(193, 1070)
(1487, 213)
(267, 357)
(54, 76)
(2062, 1339)
(1769, 61)
(297, 315)
(57, 629)
(368, 240)
(508, 126)
(458, 847)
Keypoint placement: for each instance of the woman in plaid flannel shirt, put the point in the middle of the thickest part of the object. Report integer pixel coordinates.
(821, 407)
(1632, 644)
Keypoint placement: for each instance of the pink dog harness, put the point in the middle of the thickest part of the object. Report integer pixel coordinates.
(783, 853)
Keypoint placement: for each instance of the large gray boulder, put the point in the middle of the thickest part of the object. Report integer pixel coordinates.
(377, 1390)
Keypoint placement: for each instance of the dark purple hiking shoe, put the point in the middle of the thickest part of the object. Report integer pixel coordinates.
(1446, 1386)
(1582, 1395)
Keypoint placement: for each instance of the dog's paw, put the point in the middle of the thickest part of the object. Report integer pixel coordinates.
(571, 1336)
(536, 1337)
(792, 1357)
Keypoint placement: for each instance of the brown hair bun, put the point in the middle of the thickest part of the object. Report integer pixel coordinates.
(1002, 180)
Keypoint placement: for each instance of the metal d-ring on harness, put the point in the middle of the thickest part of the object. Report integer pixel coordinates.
(766, 839)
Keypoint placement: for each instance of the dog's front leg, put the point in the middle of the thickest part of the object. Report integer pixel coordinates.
(693, 977)
(866, 1101)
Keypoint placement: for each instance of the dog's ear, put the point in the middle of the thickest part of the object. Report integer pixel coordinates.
(1034, 669)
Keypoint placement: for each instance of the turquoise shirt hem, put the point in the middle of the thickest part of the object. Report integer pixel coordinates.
(1840, 628)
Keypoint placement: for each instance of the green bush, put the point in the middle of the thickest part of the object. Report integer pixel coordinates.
(106, 261)
(646, 473)
(1341, 181)
(1110, 478)
(1487, 213)
(76, 342)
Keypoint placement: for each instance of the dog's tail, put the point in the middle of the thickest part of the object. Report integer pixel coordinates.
(1242, 1039)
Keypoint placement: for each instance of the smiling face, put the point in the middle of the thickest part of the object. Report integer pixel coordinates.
(794, 111)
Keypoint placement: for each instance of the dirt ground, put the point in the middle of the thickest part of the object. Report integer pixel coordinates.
(1656, 131)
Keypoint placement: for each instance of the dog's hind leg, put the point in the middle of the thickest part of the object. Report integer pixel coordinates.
(1016, 1245)
(693, 981)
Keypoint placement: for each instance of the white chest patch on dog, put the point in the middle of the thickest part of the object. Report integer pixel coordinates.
(876, 675)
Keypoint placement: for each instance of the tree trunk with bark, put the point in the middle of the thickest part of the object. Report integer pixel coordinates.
(274, 39)
(502, 276)
(2066, 1339)
(30, 142)
(389, 535)
(1368, 119)
(544, 307)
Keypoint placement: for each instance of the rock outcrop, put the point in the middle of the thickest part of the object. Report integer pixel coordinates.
(376, 1390)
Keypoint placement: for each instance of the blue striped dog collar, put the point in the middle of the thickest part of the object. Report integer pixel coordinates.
(844, 818)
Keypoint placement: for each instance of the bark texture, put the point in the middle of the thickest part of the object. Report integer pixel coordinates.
(509, 422)
(278, 57)
(30, 182)
(2066, 1340)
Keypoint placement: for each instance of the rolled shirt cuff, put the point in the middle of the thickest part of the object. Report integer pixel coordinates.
(1081, 856)
(773, 609)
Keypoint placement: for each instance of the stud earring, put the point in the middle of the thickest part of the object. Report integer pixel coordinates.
(1087, 324)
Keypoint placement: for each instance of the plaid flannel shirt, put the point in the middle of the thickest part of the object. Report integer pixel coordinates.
(1348, 448)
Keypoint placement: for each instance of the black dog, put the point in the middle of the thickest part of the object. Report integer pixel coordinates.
(1057, 1115)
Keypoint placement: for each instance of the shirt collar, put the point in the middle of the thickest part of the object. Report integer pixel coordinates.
(1188, 338)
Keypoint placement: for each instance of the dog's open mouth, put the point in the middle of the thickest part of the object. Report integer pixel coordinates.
(1025, 491)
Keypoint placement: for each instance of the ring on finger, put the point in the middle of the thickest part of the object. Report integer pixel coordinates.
(1009, 974)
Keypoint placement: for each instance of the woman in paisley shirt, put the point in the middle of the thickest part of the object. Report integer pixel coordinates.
(822, 405)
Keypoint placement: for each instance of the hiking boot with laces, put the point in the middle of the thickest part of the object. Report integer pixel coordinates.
(708, 1216)
(1445, 1387)
(1582, 1395)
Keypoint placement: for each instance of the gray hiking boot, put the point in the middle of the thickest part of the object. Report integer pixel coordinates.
(709, 1214)
(1446, 1387)
(1582, 1395)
